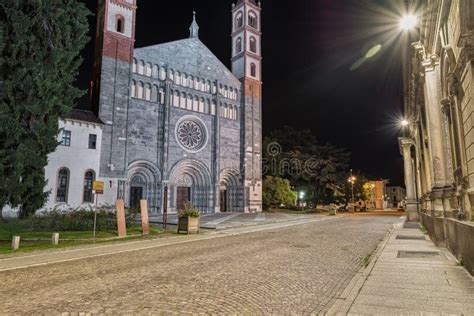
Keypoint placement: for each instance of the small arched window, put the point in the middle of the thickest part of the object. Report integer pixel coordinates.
(119, 24)
(239, 20)
(134, 89)
(253, 44)
(140, 90)
(176, 99)
(238, 45)
(182, 100)
(148, 70)
(253, 70)
(62, 186)
(201, 105)
(141, 67)
(148, 92)
(89, 177)
(189, 104)
(154, 94)
(155, 71)
(253, 21)
(134, 67)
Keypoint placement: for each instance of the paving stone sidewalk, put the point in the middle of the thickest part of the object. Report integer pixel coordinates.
(409, 275)
(233, 220)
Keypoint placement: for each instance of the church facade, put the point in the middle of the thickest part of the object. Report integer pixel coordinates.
(175, 125)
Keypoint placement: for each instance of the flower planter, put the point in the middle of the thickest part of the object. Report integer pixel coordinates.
(188, 224)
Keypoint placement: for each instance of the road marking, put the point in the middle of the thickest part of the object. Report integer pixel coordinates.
(213, 235)
(221, 220)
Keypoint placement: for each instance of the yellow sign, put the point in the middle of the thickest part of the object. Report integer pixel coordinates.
(98, 187)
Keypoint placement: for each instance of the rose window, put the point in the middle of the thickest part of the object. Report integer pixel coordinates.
(190, 135)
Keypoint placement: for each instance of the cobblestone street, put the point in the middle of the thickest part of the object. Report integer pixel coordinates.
(299, 269)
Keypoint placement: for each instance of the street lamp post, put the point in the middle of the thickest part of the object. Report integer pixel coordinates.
(351, 181)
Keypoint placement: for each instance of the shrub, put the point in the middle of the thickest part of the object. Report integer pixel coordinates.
(189, 211)
(80, 219)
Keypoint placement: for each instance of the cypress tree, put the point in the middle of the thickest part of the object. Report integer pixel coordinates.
(40, 44)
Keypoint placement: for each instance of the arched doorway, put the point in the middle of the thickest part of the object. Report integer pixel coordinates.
(144, 182)
(190, 181)
(230, 189)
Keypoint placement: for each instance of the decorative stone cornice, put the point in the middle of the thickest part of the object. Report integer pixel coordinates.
(430, 62)
(404, 143)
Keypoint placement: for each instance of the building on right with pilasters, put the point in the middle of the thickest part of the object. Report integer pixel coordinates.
(437, 144)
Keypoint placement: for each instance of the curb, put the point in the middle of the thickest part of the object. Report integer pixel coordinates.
(344, 302)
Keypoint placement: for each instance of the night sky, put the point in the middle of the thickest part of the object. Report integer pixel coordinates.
(308, 49)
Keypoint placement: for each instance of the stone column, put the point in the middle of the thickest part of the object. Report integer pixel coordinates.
(410, 200)
(435, 126)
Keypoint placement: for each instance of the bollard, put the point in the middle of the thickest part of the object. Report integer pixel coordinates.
(144, 215)
(121, 227)
(15, 242)
(55, 239)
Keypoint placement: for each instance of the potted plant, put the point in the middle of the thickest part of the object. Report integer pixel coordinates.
(189, 219)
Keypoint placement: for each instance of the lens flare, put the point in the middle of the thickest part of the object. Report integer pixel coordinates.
(373, 51)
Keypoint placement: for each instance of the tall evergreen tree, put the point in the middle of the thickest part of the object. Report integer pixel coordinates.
(40, 47)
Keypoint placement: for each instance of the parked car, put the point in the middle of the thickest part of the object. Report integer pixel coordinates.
(342, 209)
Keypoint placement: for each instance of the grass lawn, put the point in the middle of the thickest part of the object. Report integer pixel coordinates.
(18, 228)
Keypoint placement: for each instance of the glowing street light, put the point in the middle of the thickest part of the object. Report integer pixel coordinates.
(404, 123)
(302, 195)
(408, 22)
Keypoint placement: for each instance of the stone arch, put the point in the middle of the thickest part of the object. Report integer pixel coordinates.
(144, 182)
(196, 177)
(230, 190)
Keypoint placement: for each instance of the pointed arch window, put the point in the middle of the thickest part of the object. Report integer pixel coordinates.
(253, 70)
(62, 185)
(119, 23)
(89, 178)
(253, 44)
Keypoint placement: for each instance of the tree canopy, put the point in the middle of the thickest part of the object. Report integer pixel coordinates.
(40, 44)
(309, 165)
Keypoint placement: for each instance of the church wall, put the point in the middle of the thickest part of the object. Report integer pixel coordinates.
(144, 139)
(230, 144)
(176, 152)
(114, 98)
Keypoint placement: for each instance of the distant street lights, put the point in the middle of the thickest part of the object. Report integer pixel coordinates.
(351, 180)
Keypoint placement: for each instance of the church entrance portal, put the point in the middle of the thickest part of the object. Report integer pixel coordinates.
(182, 197)
(136, 194)
(223, 201)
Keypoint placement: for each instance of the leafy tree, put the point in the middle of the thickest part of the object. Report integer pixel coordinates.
(41, 42)
(277, 191)
(308, 164)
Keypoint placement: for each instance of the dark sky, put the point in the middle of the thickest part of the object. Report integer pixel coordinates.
(308, 49)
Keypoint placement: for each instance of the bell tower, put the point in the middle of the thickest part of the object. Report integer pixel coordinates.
(110, 87)
(247, 67)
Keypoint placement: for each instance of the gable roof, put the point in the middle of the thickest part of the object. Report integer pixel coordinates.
(190, 56)
(84, 116)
